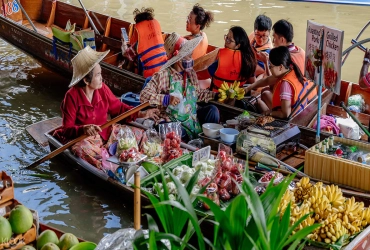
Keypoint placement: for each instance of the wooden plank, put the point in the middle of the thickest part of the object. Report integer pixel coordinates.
(340, 112)
(37, 130)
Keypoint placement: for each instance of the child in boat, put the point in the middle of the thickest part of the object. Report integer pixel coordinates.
(197, 20)
(235, 62)
(364, 80)
(147, 47)
(290, 86)
(261, 42)
(175, 88)
(86, 106)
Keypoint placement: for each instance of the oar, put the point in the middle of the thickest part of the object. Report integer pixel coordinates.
(90, 20)
(69, 144)
(355, 119)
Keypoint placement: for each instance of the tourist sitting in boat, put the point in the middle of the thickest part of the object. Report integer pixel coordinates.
(87, 105)
(175, 88)
(261, 42)
(147, 47)
(288, 89)
(235, 62)
(283, 36)
(197, 20)
(364, 80)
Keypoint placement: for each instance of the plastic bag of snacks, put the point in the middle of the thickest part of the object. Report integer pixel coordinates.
(151, 144)
(170, 133)
(125, 140)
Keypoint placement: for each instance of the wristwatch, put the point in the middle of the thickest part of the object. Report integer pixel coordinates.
(366, 60)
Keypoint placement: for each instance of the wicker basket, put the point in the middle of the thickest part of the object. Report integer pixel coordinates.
(7, 203)
(338, 170)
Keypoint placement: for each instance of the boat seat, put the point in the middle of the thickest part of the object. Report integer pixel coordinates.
(40, 27)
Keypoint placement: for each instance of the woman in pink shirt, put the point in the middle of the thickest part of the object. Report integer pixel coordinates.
(86, 106)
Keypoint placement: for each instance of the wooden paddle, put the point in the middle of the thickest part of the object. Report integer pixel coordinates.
(69, 144)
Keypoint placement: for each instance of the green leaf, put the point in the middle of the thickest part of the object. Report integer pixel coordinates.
(236, 214)
(258, 214)
(284, 224)
(152, 240)
(191, 183)
(190, 209)
(152, 225)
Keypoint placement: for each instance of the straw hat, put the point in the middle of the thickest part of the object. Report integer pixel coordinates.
(85, 61)
(178, 47)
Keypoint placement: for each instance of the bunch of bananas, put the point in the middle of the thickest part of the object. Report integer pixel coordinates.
(336, 214)
(303, 189)
(230, 92)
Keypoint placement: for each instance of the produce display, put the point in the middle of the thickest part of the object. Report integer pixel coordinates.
(130, 155)
(20, 221)
(151, 144)
(184, 173)
(125, 140)
(231, 92)
(224, 183)
(339, 216)
(266, 178)
(171, 148)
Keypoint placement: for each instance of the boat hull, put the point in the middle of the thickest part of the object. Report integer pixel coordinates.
(40, 48)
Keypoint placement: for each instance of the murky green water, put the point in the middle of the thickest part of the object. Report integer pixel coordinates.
(29, 93)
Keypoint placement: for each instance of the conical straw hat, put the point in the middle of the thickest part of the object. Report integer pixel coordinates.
(85, 61)
(186, 48)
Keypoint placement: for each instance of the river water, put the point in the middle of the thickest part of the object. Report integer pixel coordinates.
(29, 93)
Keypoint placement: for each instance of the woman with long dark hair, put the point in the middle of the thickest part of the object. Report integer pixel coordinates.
(235, 62)
(290, 86)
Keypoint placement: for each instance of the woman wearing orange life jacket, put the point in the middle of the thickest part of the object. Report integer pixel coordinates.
(197, 20)
(289, 88)
(235, 62)
(147, 45)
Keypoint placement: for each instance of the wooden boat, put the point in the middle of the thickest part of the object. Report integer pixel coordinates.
(93, 172)
(43, 227)
(39, 44)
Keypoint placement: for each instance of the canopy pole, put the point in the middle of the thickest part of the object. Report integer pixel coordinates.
(317, 139)
(28, 18)
(358, 36)
(90, 20)
(137, 201)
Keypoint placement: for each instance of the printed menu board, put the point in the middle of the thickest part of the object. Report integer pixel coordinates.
(332, 55)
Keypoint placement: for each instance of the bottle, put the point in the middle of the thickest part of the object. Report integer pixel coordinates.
(323, 148)
(120, 175)
(317, 149)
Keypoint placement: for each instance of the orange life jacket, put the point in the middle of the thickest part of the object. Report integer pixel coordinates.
(150, 47)
(299, 92)
(298, 57)
(228, 68)
(202, 47)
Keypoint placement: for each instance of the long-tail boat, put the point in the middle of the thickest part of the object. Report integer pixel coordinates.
(38, 43)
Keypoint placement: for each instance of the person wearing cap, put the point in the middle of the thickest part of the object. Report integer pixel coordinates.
(87, 104)
(197, 20)
(175, 88)
(146, 43)
(364, 80)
